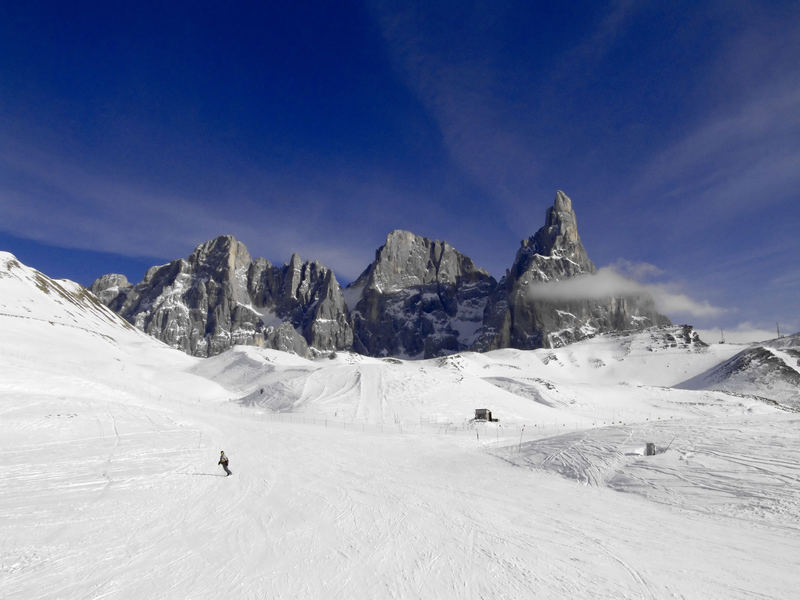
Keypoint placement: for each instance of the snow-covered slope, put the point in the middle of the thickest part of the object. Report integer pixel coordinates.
(29, 294)
(600, 380)
(770, 370)
(359, 477)
(60, 345)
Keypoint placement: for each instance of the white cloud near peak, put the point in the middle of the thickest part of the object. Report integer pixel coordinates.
(608, 282)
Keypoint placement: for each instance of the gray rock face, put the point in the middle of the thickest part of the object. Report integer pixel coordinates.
(285, 337)
(519, 316)
(307, 295)
(219, 296)
(419, 298)
(108, 287)
(558, 239)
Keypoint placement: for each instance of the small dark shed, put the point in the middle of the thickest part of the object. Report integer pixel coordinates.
(483, 414)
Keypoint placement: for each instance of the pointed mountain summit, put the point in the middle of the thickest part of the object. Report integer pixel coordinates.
(410, 260)
(419, 298)
(555, 251)
(559, 236)
(520, 316)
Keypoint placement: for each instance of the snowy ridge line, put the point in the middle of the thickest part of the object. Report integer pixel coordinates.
(788, 360)
(768, 401)
(53, 322)
(763, 399)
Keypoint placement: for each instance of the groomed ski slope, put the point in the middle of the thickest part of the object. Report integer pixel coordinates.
(368, 483)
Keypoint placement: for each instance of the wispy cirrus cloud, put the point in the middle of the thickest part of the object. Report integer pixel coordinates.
(596, 45)
(736, 151)
(502, 118)
(788, 280)
(51, 199)
(743, 158)
(471, 98)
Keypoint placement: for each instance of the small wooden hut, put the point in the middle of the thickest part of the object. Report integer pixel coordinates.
(483, 414)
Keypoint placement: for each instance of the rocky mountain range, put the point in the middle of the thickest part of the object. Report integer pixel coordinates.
(418, 298)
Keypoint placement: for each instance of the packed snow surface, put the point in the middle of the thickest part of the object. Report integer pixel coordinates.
(357, 477)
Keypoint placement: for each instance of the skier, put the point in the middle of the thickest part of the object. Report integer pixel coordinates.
(223, 460)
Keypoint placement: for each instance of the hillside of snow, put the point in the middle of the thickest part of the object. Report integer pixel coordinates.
(770, 370)
(358, 477)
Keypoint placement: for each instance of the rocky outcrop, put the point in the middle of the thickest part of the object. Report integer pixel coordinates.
(307, 295)
(527, 310)
(109, 287)
(419, 298)
(219, 296)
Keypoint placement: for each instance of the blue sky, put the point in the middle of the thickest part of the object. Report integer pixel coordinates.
(130, 134)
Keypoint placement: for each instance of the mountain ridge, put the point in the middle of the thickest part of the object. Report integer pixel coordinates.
(419, 298)
(768, 371)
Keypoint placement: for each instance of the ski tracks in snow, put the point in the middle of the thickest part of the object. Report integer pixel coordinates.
(316, 512)
(371, 406)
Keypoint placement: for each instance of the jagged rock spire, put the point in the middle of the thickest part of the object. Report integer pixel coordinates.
(516, 316)
(558, 239)
(560, 232)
